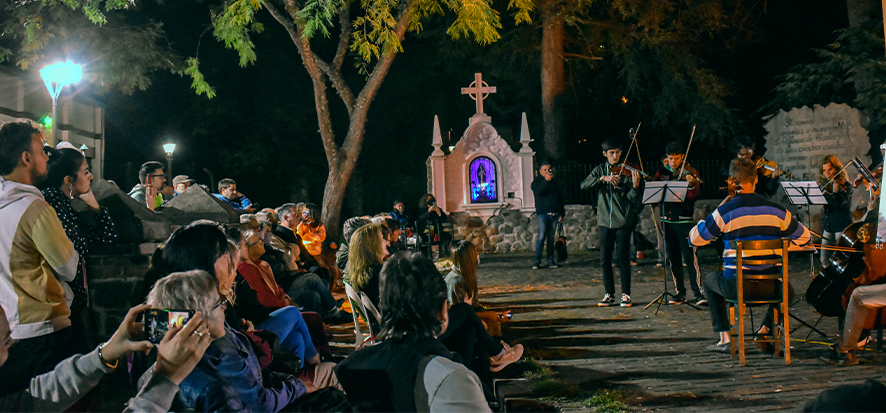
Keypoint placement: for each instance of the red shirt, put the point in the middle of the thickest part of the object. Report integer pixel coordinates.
(261, 279)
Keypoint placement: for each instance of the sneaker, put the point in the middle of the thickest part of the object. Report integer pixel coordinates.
(553, 265)
(677, 299)
(535, 266)
(634, 264)
(507, 356)
(700, 300)
(337, 316)
(607, 301)
(720, 348)
(840, 359)
(625, 300)
(659, 265)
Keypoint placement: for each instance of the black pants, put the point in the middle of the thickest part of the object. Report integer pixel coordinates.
(717, 289)
(466, 335)
(32, 357)
(620, 239)
(678, 249)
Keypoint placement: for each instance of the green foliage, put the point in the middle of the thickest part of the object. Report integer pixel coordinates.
(317, 15)
(661, 50)
(609, 402)
(89, 32)
(852, 70)
(198, 83)
(233, 26)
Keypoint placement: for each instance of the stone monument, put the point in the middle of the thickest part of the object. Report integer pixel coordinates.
(482, 175)
(798, 140)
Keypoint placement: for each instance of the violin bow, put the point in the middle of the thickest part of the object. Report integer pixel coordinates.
(686, 156)
(634, 140)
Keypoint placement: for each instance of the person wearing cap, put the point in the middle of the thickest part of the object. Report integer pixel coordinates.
(181, 183)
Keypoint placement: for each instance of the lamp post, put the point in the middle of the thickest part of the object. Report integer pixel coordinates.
(56, 76)
(169, 148)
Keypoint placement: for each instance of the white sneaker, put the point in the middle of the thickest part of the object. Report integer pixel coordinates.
(625, 300)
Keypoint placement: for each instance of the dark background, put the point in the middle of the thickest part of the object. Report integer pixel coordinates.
(261, 129)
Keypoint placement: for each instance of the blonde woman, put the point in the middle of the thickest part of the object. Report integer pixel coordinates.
(836, 216)
(365, 259)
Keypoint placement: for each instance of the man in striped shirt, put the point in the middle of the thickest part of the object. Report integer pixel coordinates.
(748, 216)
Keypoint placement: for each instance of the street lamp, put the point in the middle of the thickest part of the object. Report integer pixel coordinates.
(56, 76)
(169, 148)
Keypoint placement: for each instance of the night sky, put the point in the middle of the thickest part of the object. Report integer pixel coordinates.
(261, 129)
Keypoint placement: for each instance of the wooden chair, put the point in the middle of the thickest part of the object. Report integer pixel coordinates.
(360, 309)
(780, 271)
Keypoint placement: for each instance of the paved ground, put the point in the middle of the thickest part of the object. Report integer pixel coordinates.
(657, 362)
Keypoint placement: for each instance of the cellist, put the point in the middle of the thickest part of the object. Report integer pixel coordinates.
(837, 215)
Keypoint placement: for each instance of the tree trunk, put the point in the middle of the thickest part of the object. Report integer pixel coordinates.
(553, 75)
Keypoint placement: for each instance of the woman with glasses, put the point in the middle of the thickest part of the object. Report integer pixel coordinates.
(229, 376)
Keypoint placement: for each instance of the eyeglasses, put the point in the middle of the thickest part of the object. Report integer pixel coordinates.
(222, 302)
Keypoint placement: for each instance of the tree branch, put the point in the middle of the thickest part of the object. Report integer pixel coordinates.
(354, 140)
(312, 65)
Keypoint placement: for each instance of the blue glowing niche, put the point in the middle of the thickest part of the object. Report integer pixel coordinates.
(483, 180)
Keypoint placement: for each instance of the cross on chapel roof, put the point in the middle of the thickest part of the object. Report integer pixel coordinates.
(478, 90)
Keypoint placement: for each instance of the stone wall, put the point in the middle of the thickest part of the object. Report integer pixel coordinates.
(511, 231)
(115, 283)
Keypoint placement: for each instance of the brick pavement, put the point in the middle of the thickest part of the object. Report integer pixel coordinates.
(659, 361)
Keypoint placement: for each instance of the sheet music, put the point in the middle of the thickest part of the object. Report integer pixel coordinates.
(665, 191)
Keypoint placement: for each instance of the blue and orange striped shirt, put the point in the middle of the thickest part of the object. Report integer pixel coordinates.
(748, 217)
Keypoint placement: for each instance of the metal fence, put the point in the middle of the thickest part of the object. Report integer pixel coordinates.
(570, 176)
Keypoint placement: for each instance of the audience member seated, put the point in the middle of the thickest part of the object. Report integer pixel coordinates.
(181, 183)
(151, 182)
(180, 350)
(414, 312)
(227, 193)
(365, 259)
(348, 229)
(310, 291)
(431, 218)
(399, 213)
(228, 377)
(395, 244)
(311, 230)
(289, 219)
(68, 177)
(466, 334)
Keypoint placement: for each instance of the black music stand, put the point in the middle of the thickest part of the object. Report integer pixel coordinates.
(660, 192)
(805, 194)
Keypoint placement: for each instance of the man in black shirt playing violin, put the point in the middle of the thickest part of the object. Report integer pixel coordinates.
(768, 173)
(678, 220)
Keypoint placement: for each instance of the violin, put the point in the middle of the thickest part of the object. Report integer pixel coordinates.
(768, 168)
(835, 185)
(861, 180)
(685, 174)
(626, 169)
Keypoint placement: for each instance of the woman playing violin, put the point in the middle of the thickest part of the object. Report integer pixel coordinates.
(837, 215)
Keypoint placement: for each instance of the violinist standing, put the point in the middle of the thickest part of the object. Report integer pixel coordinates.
(618, 204)
(768, 172)
(678, 221)
(836, 216)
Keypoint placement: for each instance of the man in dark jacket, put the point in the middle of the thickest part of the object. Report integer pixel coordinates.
(618, 204)
(678, 220)
(549, 208)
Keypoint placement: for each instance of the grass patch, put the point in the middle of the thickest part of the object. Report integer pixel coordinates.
(609, 402)
(537, 371)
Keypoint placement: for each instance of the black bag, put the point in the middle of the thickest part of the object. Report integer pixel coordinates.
(325, 400)
(560, 244)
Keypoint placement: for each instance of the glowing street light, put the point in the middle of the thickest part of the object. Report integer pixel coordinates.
(169, 148)
(56, 76)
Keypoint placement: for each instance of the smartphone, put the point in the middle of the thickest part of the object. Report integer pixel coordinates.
(150, 180)
(159, 321)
